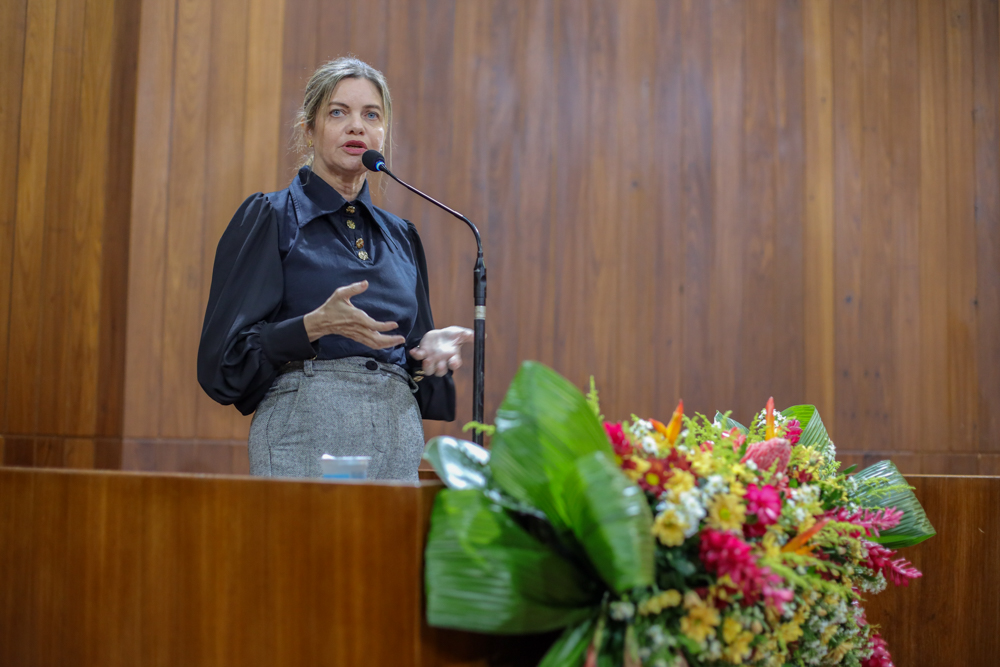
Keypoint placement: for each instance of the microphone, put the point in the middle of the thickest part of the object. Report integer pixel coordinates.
(375, 161)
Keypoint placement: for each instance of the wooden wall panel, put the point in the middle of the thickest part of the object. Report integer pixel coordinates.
(13, 23)
(68, 90)
(719, 201)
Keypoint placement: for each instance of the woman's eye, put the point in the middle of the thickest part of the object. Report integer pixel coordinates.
(372, 115)
(337, 113)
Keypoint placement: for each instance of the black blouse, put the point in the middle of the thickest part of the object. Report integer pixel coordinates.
(282, 255)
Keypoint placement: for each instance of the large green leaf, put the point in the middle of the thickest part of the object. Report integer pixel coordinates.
(543, 425)
(459, 463)
(485, 573)
(813, 431)
(881, 485)
(729, 422)
(611, 520)
(571, 647)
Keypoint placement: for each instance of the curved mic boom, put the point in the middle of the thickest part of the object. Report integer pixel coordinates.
(375, 161)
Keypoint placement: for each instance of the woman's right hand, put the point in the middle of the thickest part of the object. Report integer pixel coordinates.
(338, 316)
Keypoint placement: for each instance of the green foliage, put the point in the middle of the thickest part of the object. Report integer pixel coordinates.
(571, 647)
(814, 435)
(611, 520)
(459, 464)
(479, 427)
(485, 573)
(538, 530)
(728, 423)
(543, 425)
(881, 485)
(593, 401)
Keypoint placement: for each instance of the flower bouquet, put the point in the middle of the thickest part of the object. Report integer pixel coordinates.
(690, 542)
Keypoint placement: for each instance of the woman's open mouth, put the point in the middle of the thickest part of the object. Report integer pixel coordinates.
(355, 147)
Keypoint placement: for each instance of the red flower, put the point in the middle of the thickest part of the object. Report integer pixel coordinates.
(764, 454)
(792, 431)
(726, 554)
(764, 502)
(654, 480)
(618, 440)
(880, 654)
(898, 571)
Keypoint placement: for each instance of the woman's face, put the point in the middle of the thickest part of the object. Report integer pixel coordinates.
(352, 122)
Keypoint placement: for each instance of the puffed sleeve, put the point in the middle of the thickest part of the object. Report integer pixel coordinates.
(242, 347)
(435, 395)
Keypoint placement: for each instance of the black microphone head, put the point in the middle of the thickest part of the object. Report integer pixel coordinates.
(373, 160)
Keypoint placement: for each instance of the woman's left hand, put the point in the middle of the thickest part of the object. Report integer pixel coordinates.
(441, 349)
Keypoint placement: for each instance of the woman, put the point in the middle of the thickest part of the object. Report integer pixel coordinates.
(319, 317)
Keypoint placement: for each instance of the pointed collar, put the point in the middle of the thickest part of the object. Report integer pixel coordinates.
(313, 198)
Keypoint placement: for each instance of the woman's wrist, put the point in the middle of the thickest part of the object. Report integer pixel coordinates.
(314, 325)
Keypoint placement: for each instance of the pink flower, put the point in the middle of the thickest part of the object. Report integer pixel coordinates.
(765, 454)
(724, 553)
(764, 502)
(869, 522)
(618, 440)
(775, 597)
(792, 431)
(736, 436)
(880, 654)
(898, 571)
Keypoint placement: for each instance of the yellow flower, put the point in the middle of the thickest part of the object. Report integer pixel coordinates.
(658, 603)
(703, 463)
(828, 634)
(836, 655)
(700, 622)
(726, 512)
(680, 482)
(772, 548)
(737, 489)
(641, 466)
(731, 628)
(739, 649)
(669, 529)
(789, 632)
(740, 472)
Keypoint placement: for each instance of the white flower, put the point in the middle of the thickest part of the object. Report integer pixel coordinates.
(621, 611)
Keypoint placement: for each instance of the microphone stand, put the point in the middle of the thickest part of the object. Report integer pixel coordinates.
(479, 293)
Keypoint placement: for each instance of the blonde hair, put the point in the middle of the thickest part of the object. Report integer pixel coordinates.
(321, 86)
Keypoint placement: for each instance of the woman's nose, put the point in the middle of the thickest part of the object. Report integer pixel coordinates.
(354, 124)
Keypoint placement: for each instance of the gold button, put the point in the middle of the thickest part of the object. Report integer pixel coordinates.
(351, 209)
(360, 243)
(363, 255)
(350, 224)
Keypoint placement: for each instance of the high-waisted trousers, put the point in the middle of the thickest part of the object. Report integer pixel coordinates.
(343, 407)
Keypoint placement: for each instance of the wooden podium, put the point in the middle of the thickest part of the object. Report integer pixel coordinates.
(101, 569)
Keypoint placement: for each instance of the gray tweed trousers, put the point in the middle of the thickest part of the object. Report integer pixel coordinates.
(342, 407)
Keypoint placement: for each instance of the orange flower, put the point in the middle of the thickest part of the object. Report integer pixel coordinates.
(798, 543)
(673, 429)
(769, 415)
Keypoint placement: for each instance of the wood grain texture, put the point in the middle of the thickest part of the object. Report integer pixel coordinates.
(950, 616)
(166, 570)
(67, 150)
(172, 569)
(13, 31)
(718, 201)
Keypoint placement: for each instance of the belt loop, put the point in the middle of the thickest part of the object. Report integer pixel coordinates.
(307, 367)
